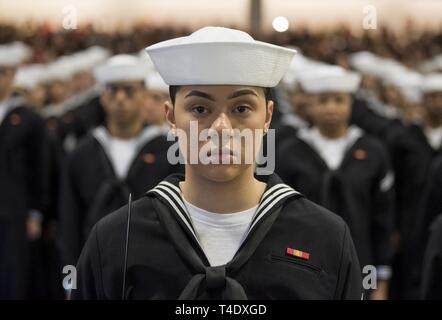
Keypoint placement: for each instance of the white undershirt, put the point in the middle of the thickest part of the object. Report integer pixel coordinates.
(220, 234)
(121, 153)
(332, 151)
(434, 137)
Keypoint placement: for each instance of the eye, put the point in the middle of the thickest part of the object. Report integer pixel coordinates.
(323, 100)
(199, 109)
(242, 109)
(339, 99)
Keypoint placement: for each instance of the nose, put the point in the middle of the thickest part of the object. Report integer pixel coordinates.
(331, 107)
(222, 122)
(120, 95)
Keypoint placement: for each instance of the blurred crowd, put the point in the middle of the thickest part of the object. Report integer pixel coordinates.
(60, 182)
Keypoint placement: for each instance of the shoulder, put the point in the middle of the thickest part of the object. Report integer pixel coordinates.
(323, 234)
(85, 147)
(294, 142)
(374, 146)
(315, 219)
(112, 228)
(28, 116)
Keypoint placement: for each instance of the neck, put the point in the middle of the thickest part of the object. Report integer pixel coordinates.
(333, 132)
(242, 193)
(124, 131)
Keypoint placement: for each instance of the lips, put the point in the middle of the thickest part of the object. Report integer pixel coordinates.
(220, 152)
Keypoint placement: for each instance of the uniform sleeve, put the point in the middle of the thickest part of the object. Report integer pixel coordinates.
(89, 272)
(71, 212)
(383, 216)
(432, 269)
(349, 285)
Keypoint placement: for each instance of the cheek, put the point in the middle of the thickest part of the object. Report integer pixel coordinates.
(345, 109)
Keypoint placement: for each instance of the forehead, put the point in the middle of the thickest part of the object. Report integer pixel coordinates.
(220, 91)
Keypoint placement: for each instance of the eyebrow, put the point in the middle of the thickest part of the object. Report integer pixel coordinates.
(196, 93)
(236, 94)
(240, 93)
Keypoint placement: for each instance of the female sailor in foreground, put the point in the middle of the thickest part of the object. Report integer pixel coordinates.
(220, 231)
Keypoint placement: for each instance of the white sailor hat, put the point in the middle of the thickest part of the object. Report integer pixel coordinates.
(29, 76)
(155, 82)
(408, 82)
(407, 78)
(329, 79)
(60, 70)
(12, 54)
(142, 54)
(220, 56)
(432, 83)
(432, 65)
(121, 67)
(364, 62)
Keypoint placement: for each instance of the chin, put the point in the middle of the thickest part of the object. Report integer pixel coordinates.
(221, 173)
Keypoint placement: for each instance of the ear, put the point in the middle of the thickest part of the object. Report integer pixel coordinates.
(170, 113)
(269, 114)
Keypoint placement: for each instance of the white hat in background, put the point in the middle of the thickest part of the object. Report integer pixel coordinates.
(329, 79)
(220, 56)
(370, 64)
(432, 65)
(13, 54)
(408, 82)
(29, 76)
(404, 79)
(60, 70)
(155, 82)
(432, 83)
(95, 55)
(364, 62)
(121, 67)
(299, 65)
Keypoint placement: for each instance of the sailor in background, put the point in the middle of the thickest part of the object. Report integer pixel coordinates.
(414, 144)
(29, 82)
(22, 149)
(343, 169)
(121, 157)
(220, 231)
(157, 94)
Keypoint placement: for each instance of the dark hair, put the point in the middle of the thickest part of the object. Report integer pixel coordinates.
(268, 92)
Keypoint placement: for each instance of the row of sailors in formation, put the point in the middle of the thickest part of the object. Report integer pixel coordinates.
(365, 144)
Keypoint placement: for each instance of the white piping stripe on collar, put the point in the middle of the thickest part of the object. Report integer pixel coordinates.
(264, 201)
(165, 196)
(282, 190)
(171, 185)
(262, 214)
(276, 186)
(177, 198)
